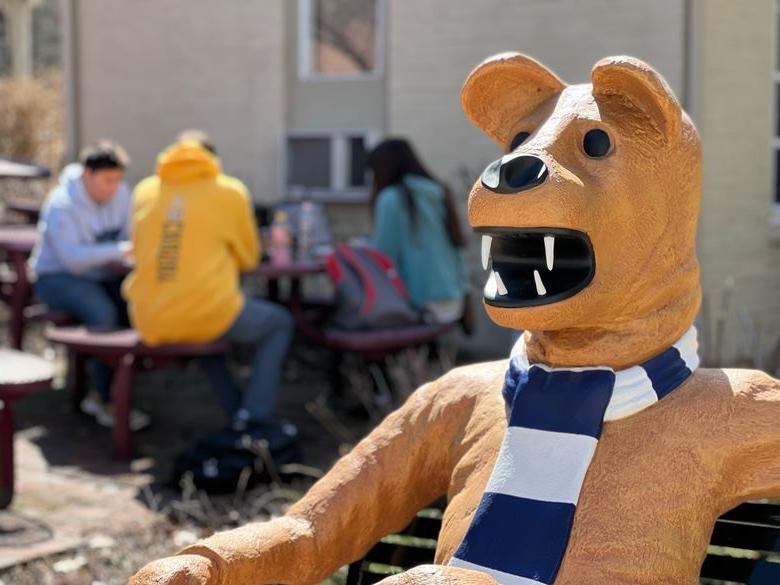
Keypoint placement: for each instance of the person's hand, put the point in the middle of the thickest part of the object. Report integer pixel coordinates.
(178, 570)
(127, 252)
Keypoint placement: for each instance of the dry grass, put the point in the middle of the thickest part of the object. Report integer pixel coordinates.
(110, 559)
(31, 128)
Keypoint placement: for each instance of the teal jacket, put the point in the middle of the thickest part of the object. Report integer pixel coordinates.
(429, 265)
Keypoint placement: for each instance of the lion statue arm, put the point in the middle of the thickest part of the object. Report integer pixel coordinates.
(402, 466)
(439, 575)
(752, 429)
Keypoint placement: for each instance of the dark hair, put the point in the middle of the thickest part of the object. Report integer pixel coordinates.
(104, 155)
(394, 158)
(199, 136)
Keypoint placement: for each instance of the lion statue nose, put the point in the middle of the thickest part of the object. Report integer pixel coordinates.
(514, 173)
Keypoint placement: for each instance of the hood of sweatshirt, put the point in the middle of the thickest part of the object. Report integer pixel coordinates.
(186, 162)
(71, 175)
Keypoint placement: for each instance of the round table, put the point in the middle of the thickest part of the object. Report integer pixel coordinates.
(294, 270)
(20, 374)
(10, 169)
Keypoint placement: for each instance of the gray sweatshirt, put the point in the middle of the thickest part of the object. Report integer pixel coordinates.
(79, 236)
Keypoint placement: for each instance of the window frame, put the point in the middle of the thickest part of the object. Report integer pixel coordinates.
(304, 47)
(340, 190)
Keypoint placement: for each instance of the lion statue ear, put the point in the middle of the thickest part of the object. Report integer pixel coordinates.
(644, 88)
(504, 89)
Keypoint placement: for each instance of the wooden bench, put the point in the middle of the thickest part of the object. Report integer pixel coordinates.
(375, 345)
(123, 350)
(20, 375)
(744, 548)
(373, 348)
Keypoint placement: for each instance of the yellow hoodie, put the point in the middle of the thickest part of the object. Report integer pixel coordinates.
(193, 232)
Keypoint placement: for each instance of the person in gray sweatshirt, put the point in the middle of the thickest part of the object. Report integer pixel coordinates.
(84, 229)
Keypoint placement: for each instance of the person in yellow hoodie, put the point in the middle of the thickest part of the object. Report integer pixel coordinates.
(194, 232)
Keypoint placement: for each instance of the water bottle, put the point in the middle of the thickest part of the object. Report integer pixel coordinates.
(280, 249)
(307, 226)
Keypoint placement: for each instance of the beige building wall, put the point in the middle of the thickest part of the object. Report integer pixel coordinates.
(328, 104)
(733, 109)
(148, 69)
(433, 44)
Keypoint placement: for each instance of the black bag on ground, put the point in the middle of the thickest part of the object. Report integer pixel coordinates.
(217, 461)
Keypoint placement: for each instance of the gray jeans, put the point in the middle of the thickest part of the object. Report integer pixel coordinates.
(269, 327)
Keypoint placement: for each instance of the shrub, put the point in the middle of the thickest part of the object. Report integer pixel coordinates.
(31, 129)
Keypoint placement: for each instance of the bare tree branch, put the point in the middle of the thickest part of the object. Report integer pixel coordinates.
(334, 21)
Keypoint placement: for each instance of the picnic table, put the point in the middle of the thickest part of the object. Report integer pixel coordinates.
(29, 210)
(295, 271)
(20, 375)
(126, 353)
(15, 170)
(123, 350)
(20, 239)
(16, 245)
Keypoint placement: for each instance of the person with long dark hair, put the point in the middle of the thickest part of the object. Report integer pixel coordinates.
(416, 224)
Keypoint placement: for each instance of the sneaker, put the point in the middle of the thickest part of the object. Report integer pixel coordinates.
(241, 421)
(277, 433)
(104, 414)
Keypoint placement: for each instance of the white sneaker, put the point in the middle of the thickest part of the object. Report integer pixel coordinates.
(104, 414)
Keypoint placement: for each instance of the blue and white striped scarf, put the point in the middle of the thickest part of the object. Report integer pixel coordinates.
(521, 528)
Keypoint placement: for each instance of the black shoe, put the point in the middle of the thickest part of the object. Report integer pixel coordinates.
(277, 435)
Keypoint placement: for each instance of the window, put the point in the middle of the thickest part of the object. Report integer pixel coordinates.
(5, 49)
(327, 165)
(309, 163)
(340, 39)
(358, 157)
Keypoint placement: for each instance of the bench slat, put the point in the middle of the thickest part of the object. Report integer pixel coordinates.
(748, 571)
(752, 526)
(746, 536)
(422, 527)
(755, 513)
(369, 577)
(400, 555)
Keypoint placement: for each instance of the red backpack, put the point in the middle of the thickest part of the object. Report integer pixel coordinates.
(369, 292)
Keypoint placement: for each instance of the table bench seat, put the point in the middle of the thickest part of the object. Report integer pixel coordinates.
(20, 375)
(124, 350)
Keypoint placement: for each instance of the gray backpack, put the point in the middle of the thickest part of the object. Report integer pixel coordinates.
(369, 292)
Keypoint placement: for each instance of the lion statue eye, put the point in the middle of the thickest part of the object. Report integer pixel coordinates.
(596, 143)
(518, 140)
